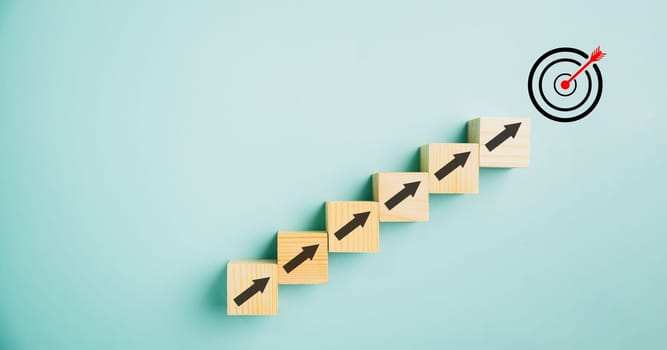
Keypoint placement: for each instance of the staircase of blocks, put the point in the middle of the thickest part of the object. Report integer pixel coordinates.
(354, 226)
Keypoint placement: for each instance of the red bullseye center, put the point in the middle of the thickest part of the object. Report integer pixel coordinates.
(565, 84)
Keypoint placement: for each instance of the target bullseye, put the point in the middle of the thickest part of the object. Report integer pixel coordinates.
(569, 98)
(565, 84)
(558, 85)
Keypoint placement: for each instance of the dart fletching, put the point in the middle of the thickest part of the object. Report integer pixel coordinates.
(597, 55)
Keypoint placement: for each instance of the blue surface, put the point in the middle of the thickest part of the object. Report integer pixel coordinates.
(145, 144)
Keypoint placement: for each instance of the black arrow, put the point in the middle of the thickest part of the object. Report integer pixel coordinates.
(358, 221)
(258, 285)
(409, 189)
(459, 160)
(307, 252)
(510, 131)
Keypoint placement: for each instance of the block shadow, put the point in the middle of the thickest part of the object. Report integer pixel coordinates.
(461, 135)
(216, 296)
(317, 221)
(412, 163)
(5, 342)
(365, 191)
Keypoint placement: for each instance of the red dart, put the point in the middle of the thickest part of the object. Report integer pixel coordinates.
(595, 56)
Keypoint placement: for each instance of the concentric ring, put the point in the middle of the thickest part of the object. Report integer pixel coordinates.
(560, 118)
(564, 109)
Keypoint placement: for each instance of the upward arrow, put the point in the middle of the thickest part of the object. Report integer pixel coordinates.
(409, 190)
(258, 285)
(459, 160)
(307, 252)
(510, 131)
(358, 221)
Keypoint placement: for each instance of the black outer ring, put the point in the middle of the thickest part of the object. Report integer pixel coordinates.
(554, 117)
(564, 109)
(556, 87)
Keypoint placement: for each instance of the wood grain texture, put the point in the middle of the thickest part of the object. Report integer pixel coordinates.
(363, 239)
(310, 271)
(412, 208)
(464, 179)
(240, 276)
(512, 153)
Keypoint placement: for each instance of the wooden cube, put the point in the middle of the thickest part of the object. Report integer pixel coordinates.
(503, 142)
(353, 226)
(451, 167)
(401, 196)
(252, 287)
(303, 258)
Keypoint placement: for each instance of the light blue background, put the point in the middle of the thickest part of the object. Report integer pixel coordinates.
(144, 144)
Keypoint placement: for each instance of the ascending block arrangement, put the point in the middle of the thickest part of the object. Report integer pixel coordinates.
(503, 142)
(303, 257)
(353, 226)
(401, 196)
(451, 167)
(252, 287)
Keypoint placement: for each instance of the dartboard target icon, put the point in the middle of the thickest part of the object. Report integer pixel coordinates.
(565, 84)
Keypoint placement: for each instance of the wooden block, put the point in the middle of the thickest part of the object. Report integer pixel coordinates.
(401, 196)
(451, 167)
(353, 226)
(252, 287)
(303, 258)
(503, 142)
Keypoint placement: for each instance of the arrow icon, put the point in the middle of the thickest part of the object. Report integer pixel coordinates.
(409, 190)
(358, 221)
(258, 285)
(307, 252)
(510, 131)
(459, 160)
